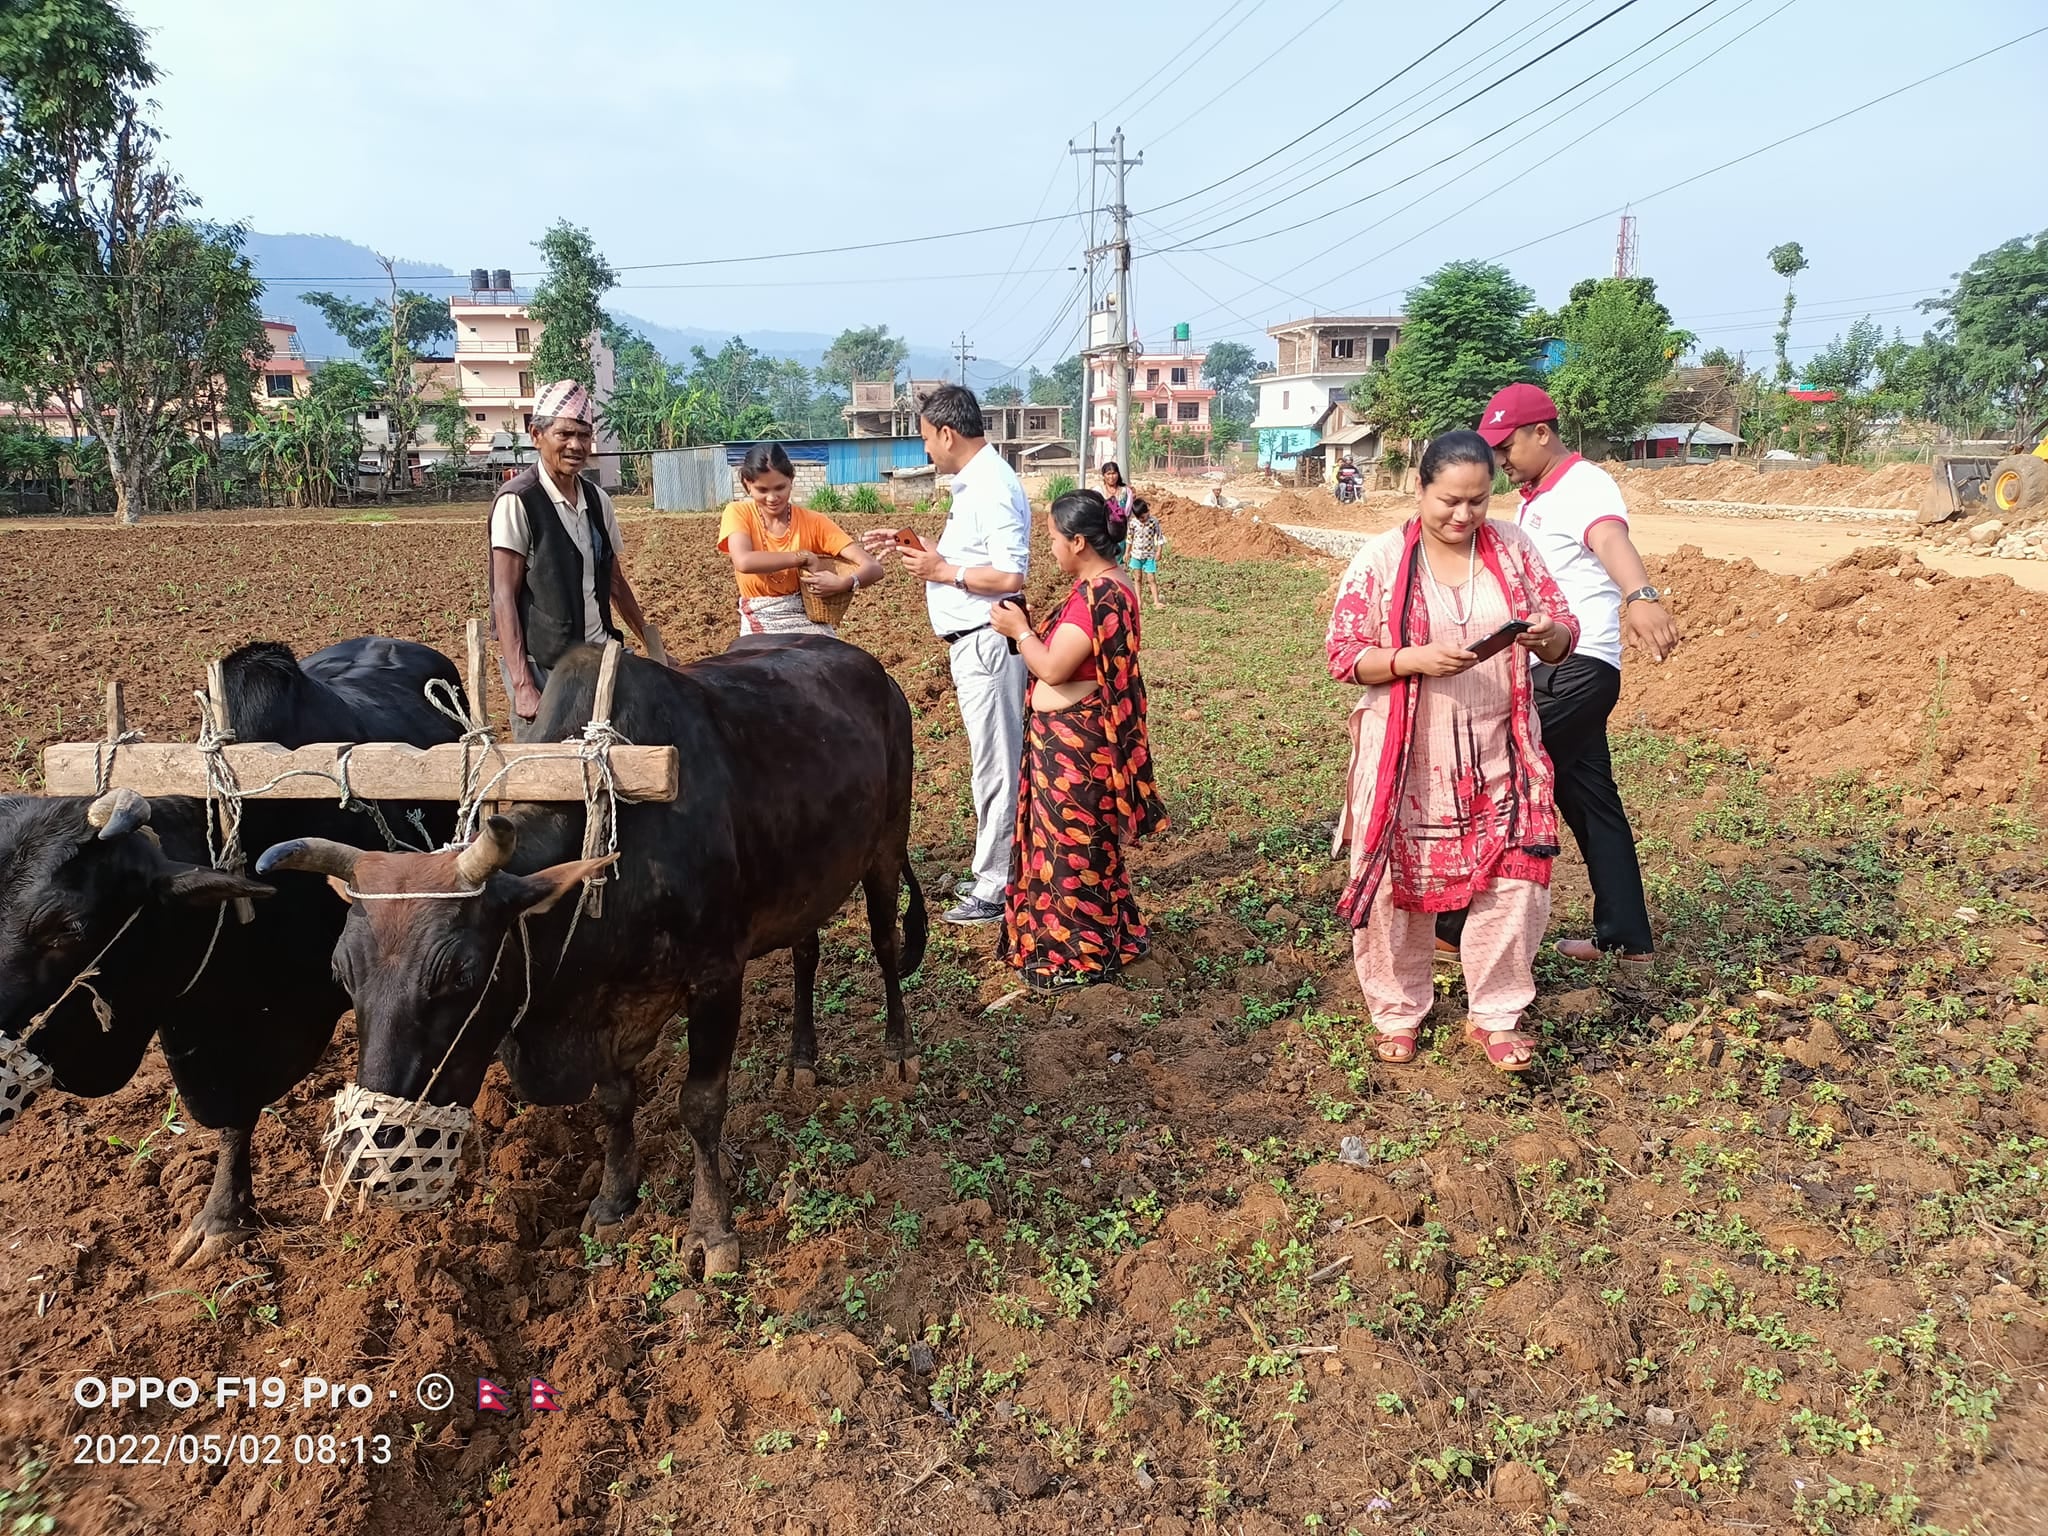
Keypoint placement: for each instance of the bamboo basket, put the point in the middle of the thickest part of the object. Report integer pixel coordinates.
(829, 610)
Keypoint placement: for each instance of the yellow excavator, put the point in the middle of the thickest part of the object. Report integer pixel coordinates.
(2002, 487)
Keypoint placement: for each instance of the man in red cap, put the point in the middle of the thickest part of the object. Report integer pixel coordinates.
(1573, 511)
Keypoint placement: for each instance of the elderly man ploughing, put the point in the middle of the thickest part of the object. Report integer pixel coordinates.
(557, 568)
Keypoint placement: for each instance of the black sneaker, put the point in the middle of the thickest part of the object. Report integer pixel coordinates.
(973, 910)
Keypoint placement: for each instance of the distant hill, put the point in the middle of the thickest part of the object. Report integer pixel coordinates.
(293, 264)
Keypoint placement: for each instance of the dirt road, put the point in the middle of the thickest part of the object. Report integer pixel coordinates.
(1778, 545)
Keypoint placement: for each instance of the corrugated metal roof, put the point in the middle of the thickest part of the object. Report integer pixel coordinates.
(1703, 434)
(1357, 432)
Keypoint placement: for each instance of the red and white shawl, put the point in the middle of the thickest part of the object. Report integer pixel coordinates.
(1381, 604)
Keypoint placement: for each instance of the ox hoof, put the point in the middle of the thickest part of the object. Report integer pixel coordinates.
(721, 1255)
(210, 1238)
(904, 1071)
(606, 1219)
(795, 1079)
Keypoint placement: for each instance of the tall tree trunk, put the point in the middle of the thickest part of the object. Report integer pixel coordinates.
(130, 485)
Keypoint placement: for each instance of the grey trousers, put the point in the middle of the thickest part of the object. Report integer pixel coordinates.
(989, 683)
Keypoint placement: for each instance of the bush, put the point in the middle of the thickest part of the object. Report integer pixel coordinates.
(1058, 486)
(867, 501)
(826, 498)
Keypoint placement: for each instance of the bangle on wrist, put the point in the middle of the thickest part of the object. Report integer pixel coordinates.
(1394, 663)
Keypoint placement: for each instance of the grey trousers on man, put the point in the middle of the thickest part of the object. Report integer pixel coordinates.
(989, 683)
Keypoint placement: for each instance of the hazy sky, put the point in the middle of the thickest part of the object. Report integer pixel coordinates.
(681, 132)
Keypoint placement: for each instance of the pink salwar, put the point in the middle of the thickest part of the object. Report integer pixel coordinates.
(1396, 950)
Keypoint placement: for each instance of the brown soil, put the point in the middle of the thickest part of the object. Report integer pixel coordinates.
(1832, 485)
(856, 1379)
(1215, 534)
(1879, 667)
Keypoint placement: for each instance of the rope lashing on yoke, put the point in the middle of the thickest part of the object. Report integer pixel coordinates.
(600, 781)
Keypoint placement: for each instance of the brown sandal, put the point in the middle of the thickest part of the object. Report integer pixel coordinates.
(1396, 1049)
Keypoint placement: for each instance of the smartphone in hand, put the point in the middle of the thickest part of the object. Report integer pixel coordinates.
(907, 539)
(1500, 639)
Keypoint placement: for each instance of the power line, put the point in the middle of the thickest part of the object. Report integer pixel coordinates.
(1456, 107)
(1293, 42)
(1184, 47)
(1466, 149)
(1221, 38)
(1468, 200)
(1421, 58)
(1383, 120)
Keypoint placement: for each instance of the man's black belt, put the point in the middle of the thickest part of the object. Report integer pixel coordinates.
(962, 634)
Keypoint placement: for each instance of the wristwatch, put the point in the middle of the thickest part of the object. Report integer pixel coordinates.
(960, 577)
(1642, 595)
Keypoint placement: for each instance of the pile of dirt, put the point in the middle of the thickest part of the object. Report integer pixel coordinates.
(1830, 485)
(1878, 666)
(1214, 534)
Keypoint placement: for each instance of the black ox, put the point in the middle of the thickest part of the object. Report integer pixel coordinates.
(796, 760)
(240, 1027)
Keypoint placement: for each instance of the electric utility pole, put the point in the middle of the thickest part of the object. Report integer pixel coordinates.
(964, 356)
(1114, 337)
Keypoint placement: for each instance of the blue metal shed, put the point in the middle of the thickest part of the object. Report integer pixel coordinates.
(847, 460)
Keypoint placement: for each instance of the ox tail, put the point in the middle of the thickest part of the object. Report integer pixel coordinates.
(917, 924)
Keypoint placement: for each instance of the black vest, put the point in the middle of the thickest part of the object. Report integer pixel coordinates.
(551, 599)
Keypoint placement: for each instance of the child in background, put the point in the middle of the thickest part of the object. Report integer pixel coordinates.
(1147, 539)
(778, 548)
(1118, 496)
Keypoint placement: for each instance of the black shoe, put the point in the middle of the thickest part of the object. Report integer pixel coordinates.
(972, 910)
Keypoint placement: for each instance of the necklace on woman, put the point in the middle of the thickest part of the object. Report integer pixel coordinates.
(1461, 613)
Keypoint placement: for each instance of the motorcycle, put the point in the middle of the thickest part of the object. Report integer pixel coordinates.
(1350, 484)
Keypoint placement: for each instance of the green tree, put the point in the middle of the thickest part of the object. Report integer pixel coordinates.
(1464, 340)
(863, 355)
(344, 385)
(1996, 319)
(123, 307)
(1619, 348)
(1061, 386)
(1229, 368)
(1852, 367)
(1003, 394)
(382, 333)
(1721, 357)
(568, 304)
(454, 427)
(1788, 261)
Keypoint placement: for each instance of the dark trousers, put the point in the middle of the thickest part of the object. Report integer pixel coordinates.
(1573, 700)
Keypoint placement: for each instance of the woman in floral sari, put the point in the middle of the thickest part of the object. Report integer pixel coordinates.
(1449, 798)
(1086, 785)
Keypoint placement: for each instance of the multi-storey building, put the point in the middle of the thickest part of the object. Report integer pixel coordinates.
(1322, 359)
(1166, 389)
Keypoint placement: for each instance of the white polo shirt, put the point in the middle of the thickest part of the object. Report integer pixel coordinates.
(1559, 514)
(990, 524)
(511, 530)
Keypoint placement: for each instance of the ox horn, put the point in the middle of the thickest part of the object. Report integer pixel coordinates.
(491, 852)
(117, 813)
(316, 854)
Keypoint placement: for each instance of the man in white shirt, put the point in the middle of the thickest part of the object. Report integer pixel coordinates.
(1574, 512)
(557, 570)
(982, 557)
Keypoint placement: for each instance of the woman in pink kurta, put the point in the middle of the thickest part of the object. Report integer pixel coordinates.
(1449, 800)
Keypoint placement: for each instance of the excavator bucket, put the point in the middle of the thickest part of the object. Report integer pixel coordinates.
(1958, 484)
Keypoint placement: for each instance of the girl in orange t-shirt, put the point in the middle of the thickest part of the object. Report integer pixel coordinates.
(778, 548)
